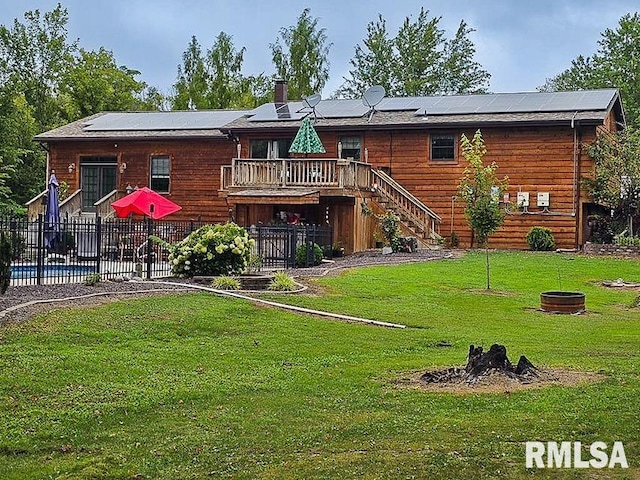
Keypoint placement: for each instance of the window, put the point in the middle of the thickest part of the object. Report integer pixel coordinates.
(270, 148)
(350, 147)
(443, 147)
(160, 168)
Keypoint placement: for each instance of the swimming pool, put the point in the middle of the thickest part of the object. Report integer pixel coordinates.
(51, 270)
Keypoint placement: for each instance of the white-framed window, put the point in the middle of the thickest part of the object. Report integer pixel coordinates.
(160, 170)
(443, 147)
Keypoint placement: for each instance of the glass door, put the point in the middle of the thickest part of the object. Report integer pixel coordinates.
(98, 177)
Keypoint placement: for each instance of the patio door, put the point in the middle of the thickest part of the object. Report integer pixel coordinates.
(98, 177)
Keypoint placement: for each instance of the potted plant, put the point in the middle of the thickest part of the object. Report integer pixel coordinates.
(337, 249)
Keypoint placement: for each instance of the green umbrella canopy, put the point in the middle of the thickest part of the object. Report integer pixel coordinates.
(307, 140)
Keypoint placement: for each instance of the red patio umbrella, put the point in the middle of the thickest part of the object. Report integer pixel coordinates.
(145, 201)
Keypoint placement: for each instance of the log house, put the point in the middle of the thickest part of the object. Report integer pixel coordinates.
(402, 154)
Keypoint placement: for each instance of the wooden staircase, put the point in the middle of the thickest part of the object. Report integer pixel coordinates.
(416, 219)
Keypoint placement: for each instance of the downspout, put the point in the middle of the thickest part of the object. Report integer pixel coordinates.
(576, 179)
(390, 149)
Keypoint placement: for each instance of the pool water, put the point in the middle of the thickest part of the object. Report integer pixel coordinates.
(49, 271)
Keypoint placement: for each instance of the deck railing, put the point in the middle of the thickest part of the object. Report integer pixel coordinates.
(72, 205)
(296, 172)
(69, 207)
(405, 203)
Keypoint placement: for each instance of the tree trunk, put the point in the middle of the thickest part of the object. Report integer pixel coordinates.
(480, 363)
(486, 247)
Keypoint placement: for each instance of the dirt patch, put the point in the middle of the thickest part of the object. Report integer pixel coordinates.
(495, 382)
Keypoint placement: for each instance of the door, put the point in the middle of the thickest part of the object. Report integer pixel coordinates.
(98, 177)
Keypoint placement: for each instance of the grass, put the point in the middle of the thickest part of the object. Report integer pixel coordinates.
(200, 386)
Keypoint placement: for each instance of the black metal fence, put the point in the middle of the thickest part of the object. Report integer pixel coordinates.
(82, 246)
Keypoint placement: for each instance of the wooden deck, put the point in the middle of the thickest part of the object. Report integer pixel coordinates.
(329, 176)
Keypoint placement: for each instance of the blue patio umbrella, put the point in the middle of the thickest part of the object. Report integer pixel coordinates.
(52, 215)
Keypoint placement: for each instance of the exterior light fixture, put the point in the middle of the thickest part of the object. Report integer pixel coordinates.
(123, 167)
(71, 167)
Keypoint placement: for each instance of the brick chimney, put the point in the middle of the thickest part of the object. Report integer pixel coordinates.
(280, 94)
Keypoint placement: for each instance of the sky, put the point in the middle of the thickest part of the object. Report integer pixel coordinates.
(520, 42)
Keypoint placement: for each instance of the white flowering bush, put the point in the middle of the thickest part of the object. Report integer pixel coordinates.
(222, 249)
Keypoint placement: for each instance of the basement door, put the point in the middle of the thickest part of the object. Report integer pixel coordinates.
(97, 179)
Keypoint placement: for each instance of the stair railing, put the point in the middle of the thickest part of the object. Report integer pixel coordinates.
(407, 204)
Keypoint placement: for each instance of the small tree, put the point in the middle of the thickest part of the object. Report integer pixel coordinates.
(481, 191)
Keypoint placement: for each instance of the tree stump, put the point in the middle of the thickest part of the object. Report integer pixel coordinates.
(481, 363)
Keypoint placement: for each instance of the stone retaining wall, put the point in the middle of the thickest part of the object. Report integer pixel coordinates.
(611, 249)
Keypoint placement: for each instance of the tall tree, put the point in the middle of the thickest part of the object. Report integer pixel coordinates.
(35, 55)
(301, 56)
(255, 90)
(95, 83)
(418, 60)
(616, 64)
(22, 161)
(419, 54)
(460, 72)
(191, 86)
(215, 80)
(481, 190)
(225, 66)
(372, 64)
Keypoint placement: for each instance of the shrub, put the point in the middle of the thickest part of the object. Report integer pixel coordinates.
(5, 262)
(303, 258)
(254, 265)
(541, 239)
(601, 229)
(627, 241)
(454, 240)
(18, 245)
(282, 282)
(389, 225)
(92, 279)
(222, 249)
(226, 282)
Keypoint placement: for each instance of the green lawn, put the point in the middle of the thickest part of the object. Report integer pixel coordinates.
(199, 386)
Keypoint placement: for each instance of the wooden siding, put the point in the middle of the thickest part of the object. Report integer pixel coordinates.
(536, 159)
(195, 169)
(539, 159)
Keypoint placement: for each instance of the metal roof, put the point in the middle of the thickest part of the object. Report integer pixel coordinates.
(158, 121)
(530, 102)
(402, 112)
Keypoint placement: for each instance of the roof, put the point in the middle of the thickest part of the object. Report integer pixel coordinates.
(539, 108)
(145, 125)
(588, 106)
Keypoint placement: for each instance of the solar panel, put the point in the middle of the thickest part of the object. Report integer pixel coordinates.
(152, 121)
(341, 109)
(515, 102)
(400, 103)
(270, 112)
